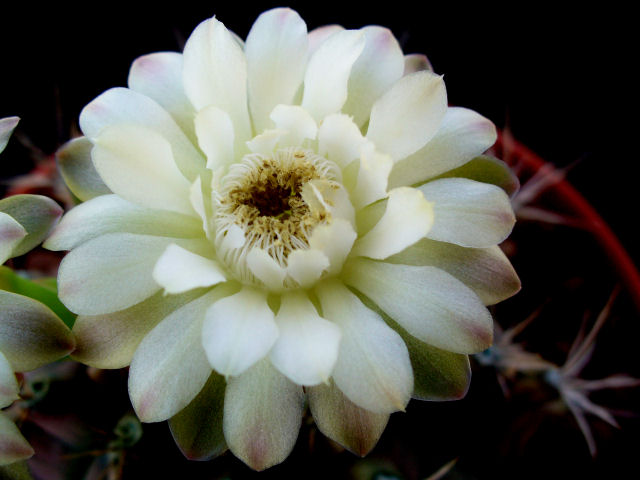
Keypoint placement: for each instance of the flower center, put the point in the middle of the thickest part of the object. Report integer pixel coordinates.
(264, 203)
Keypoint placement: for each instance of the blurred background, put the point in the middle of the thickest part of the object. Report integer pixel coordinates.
(549, 77)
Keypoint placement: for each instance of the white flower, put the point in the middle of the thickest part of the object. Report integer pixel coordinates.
(288, 218)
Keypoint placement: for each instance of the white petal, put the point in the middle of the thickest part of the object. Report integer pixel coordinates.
(463, 135)
(266, 269)
(110, 272)
(170, 367)
(379, 66)
(215, 136)
(9, 389)
(307, 347)
(276, 51)
(11, 234)
(138, 164)
(266, 142)
(298, 124)
(407, 219)
(373, 367)
(469, 213)
(13, 446)
(428, 302)
(371, 184)
(338, 418)
(262, 415)
(319, 35)
(123, 106)
(327, 75)
(178, 270)
(238, 331)
(335, 241)
(487, 271)
(159, 77)
(416, 62)
(215, 73)
(112, 214)
(408, 115)
(306, 266)
(78, 171)
(324, 196)
(6, 129)
(340, 139)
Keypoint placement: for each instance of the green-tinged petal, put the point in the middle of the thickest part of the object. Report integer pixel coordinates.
(159, 77)
(262, 415)
(307, 347)
(31, 335)
(15, 471)
(337, 417)
(109, 341)
(36, 214)
(276, 51)
(138, 164)
(463, 135)
(439, 375)
(13, 446)
(238, 331)
(178, 270)
(9, 389)
(407, 219)
(122, 106)
(373, 368)
(378, 67)
(214, 129)
(327, 76)
(197, 429)
(6, 129)
(215, 73)
(416, 62)
(11, 234)
(408, 115)
(113, 214)
(428, 302)
(468, 213)
(488, 170)
(487, 271)
(78, 171)
(170, 367)
(110, 273)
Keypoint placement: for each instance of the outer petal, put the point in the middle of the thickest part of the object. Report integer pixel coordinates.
(31, 335)
(327, 75)
(13, 446)
(276, 51)
(355, 428)
(487, 271)
(319, 35)
(468, 213)
(9, 390)
(405, 118)
(120, 106)
(78, 171)
(416, 62)
(110, 273)
(197, 429)
(238, 331)
(373, 368)
(6, 129)
(170, 367)
(138, 164)
(112, 214)
(463, 135)
(159, 77)
(11, 234)
(262, 415)
(110, 340)
(307, 347)
(36, 214)
(215, 73)
(178, 270)
(428, 302)
(406, 220)
(379, 66)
